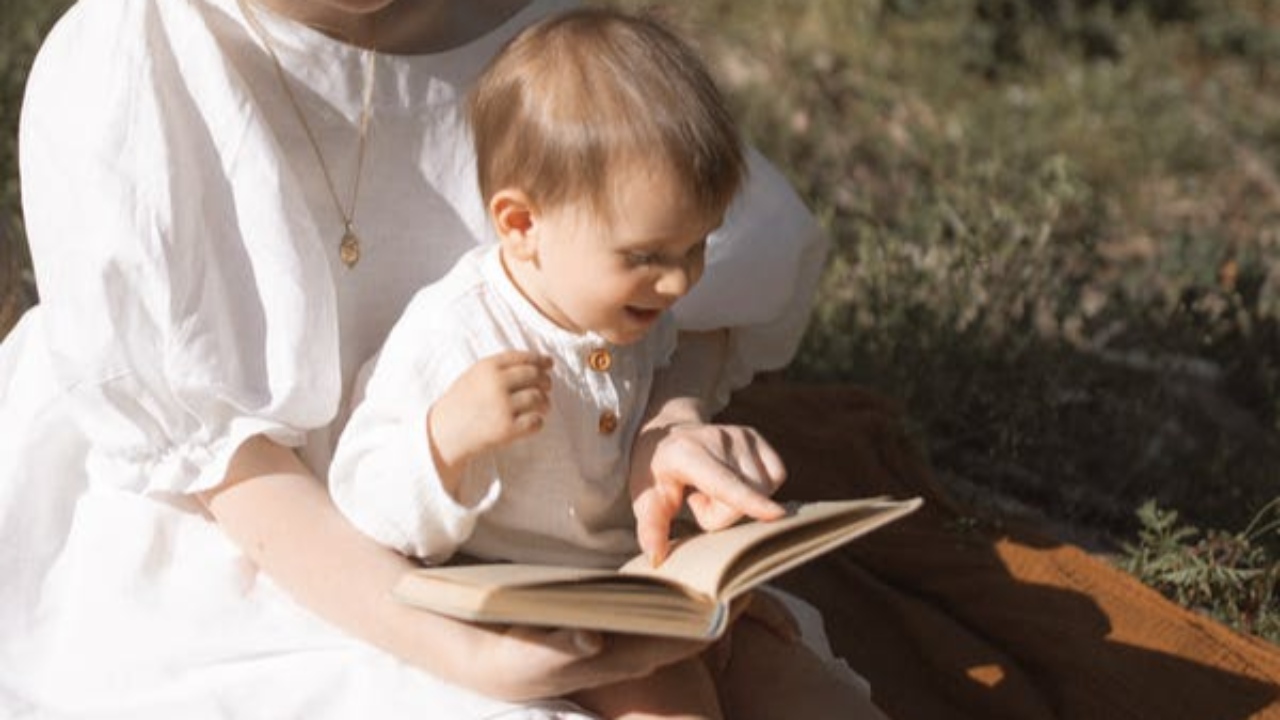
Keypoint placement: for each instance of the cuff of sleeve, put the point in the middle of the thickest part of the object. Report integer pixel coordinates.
(197, 464)
(387, 485)
(436, 511)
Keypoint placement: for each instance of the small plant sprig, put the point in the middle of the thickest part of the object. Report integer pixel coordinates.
(1232, 577)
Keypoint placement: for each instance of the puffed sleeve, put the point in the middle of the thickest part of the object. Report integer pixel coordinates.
(186, 306)
(763, 267)
(383, 476)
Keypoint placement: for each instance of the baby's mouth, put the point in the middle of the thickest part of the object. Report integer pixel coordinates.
(643, 314)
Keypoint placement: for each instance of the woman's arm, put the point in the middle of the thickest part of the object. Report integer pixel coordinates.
(281, 516)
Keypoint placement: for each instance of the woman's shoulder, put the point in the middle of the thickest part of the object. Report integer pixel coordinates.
(123, 28)
(101, 54)
(75, 47)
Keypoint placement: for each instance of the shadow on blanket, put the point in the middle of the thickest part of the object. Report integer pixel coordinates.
(948, 619)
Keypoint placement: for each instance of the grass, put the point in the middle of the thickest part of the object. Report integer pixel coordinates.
(1229, 576)
(1057, 241)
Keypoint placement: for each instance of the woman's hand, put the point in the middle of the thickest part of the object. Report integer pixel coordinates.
(281, 516)
(722, 471)
(524, 663)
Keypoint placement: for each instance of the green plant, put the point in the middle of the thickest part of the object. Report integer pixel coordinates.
(1233, 577)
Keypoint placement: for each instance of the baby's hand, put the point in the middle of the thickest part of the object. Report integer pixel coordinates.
(501, 398)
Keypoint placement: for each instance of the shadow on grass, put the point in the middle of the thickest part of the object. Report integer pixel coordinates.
(1078, 434)
(949, 616)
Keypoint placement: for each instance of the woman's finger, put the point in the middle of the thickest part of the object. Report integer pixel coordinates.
(559, 646)
(564, 661)
(655, 508)
(726, 491)
(760, 463)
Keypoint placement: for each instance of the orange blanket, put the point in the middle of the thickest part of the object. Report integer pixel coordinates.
(949, 621)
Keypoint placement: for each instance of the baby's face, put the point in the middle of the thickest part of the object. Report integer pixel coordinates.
(616, 275)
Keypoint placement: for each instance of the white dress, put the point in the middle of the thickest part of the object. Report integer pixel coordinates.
(185, 251)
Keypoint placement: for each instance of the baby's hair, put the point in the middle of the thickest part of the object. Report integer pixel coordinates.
(582, 92)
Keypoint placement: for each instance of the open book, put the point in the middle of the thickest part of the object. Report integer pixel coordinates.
(688, 595)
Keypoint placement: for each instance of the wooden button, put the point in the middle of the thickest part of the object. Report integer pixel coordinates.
(600, 360)
(608, 422)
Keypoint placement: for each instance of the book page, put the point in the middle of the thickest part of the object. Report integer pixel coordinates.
(686, 596)
(562, 597)
(484, 576)
(724, 563)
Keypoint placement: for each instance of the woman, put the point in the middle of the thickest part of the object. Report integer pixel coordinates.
(227, 206)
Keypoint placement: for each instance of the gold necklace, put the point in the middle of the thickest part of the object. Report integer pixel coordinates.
(349, 245)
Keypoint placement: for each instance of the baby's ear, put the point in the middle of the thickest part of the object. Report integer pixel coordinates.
(514, 218)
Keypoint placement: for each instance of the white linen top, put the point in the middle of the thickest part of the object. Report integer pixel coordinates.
(185, 250)
(185, 246)
(558, 496)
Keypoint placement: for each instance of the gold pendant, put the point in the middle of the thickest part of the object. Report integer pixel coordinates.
(349, 248)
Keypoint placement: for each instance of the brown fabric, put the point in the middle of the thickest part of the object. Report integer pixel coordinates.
(952, 621)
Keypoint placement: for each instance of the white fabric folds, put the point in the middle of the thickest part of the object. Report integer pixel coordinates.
(192, 297)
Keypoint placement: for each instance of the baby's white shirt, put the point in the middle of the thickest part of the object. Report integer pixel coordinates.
(558, 496)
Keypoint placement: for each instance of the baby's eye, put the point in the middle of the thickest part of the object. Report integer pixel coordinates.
(641, 259)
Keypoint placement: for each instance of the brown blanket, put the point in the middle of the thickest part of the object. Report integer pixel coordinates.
(952, 621)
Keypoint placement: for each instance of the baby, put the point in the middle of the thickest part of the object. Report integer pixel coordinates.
(497, 420)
